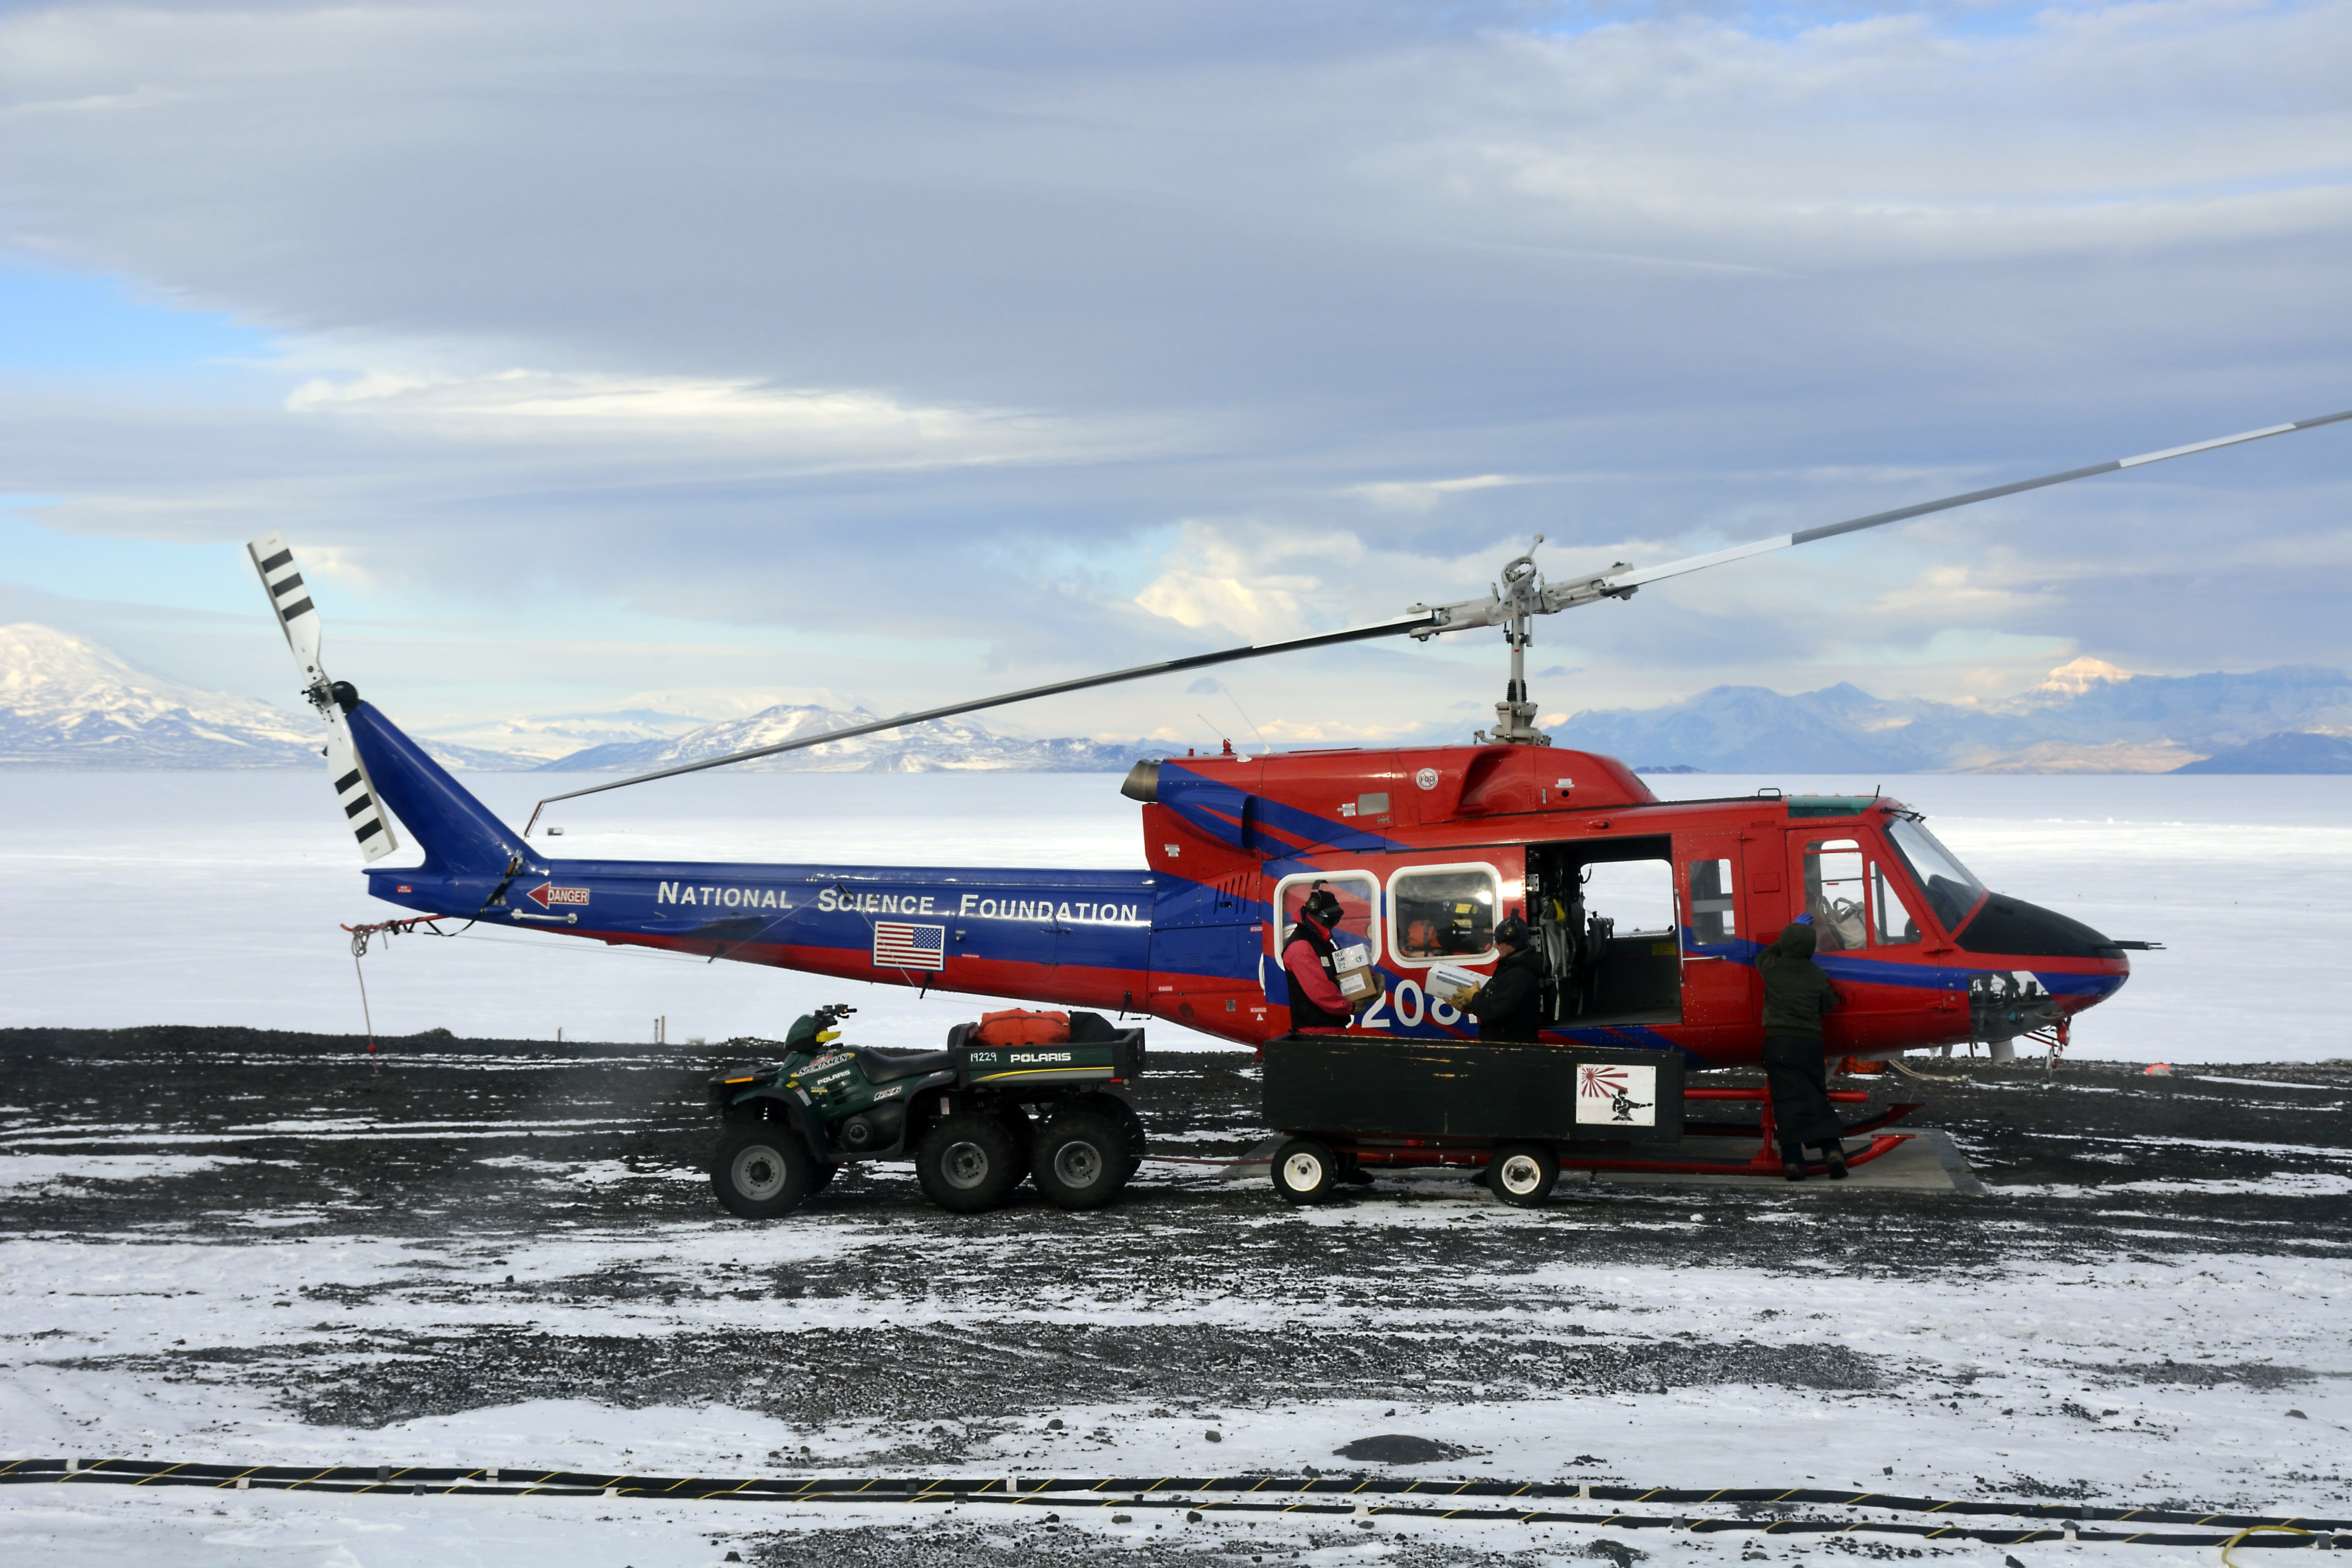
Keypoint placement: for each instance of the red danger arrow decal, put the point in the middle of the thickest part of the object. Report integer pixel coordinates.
(547, 895)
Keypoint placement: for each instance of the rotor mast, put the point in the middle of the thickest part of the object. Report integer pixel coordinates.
(1520, 594)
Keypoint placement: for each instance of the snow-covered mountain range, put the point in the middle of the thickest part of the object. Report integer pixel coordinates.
(68, 702)
(944, 745)
(2088, 717)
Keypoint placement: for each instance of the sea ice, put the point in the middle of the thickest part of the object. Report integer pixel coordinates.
(214, 897)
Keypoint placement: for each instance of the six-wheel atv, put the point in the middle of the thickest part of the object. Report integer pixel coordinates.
(1018, 1094)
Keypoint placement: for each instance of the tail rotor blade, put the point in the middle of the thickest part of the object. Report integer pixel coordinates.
(297, 617)
(289, 602)
(355, 792)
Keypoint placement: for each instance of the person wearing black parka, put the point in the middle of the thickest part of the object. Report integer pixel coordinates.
(1797, 994)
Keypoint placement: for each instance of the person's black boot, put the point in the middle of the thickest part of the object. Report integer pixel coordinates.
(1834, 1153)
(1792, 1165)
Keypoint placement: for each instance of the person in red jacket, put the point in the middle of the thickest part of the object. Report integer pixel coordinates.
(1316, 1005)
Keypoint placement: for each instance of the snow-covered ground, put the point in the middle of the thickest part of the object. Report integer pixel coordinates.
(242, 1250)
(214, 897)
(2002, 1387)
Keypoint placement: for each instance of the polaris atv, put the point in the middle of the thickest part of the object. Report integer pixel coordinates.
(975, 1117)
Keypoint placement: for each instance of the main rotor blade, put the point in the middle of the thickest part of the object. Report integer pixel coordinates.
(1165, 667)
(1877, 519)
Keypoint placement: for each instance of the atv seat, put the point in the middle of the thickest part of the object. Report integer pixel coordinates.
(889, 1067)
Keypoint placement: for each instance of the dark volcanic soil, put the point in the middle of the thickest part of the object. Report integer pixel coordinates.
(397, 1147)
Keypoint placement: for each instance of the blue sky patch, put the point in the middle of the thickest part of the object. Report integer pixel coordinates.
(59, 323)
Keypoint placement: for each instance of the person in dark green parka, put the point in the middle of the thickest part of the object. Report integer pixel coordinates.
(1797, 994)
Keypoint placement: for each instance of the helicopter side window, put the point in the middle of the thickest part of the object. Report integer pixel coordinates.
(1444, 913)
(1359, 902)
(1833, 894)
(1893, 926)
(1712, 916)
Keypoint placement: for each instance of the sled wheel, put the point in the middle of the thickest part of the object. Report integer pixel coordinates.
(967, 1162)
(1304, 1171)
(1079, 1160)
(1123, 1117)
(1523, 1175)
(762, 1172)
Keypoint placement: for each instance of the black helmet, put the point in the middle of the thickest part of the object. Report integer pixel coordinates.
(1323, 906)
(1513, 930)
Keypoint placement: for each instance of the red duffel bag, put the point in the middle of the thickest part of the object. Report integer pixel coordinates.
(1018, 1026)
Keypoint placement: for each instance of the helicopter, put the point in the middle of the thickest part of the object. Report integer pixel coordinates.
(1650, 914)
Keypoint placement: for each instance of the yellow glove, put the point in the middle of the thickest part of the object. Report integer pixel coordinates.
(1463, 997)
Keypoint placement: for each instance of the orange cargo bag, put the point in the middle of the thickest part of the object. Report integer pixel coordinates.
(1017, 1026)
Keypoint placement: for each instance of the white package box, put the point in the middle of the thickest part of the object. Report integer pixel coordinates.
(1446, 979)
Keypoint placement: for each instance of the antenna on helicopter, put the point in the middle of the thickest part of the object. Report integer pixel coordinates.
(1518, 596)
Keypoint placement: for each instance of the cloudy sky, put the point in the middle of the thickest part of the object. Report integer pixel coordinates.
(912, 351)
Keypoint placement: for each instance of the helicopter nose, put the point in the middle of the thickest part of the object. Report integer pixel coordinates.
(2015, 929)
(2027, 936)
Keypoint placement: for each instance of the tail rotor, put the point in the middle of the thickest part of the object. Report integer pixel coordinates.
(297, 617)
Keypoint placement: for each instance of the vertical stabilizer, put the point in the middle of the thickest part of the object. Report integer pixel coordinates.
(457, 832)
(289, 602)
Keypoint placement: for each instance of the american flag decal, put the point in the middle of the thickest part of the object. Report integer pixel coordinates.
(900, 945)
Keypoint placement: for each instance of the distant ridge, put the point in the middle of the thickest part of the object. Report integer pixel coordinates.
(941, 746)
(2302, 753)
(66, 703)
(2088, 717)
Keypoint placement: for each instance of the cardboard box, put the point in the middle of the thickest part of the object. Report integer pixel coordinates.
(1359, 981)
(1445, 980)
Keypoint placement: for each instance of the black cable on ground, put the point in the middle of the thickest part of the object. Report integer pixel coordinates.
(1214, 1494)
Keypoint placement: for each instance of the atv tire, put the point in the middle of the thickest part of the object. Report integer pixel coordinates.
(1079, 1160)
(1523, 1175)
(1122, 1115)
(1304, 1171)
(761, 1170)
(967, 1162)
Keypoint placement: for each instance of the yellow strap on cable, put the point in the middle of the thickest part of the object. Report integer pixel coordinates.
(2254, 1529)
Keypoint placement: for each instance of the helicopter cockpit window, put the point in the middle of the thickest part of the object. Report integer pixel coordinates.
(1952, 890)
(1359, 901)
(1833, 894)
(1444, 913)
(1893, 925)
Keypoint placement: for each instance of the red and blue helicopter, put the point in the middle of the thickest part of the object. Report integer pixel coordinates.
(1651, 913)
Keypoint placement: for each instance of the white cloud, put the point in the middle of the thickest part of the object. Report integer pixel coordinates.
(837, 428)
(933, 325)
(1423, 495)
